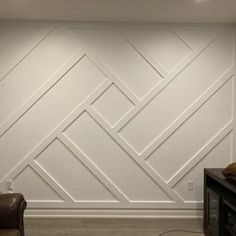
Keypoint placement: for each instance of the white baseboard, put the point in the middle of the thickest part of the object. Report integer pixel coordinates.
(161, 214)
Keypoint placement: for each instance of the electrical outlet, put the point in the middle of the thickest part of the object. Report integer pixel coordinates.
(190, 186)
(9, 185)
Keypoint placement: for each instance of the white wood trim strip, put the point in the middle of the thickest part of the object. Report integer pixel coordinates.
(185, 115)
(55, 132)
(28, 53)
(102, 65)
(39, 93)
(102, 205)
(103, 179)
(101, 213)
(52, 183)
(153, 93)
(200, 154)
(157, 179)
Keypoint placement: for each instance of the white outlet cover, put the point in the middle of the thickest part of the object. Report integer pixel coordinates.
(9, 184)
(190, 185)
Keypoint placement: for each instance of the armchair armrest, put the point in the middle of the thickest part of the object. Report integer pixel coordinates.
(12, 208)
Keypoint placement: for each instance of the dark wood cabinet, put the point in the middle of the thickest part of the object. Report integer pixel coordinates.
(219, 204)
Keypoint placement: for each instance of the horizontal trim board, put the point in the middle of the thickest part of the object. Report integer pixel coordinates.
(160, 214)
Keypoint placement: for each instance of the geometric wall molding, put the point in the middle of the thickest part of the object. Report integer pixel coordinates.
(179, 95)
(103, 42)
(161, 44)
(112, 160)
(220, 102)
(81, 183)
(213, 159)
(28, 39)
(104, 105)
(34, 187)
(196, 37)
(97, 118)
(30, 66)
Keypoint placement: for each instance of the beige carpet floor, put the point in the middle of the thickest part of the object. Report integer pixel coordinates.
(110, 227)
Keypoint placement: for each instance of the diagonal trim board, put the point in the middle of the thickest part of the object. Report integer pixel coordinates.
(208, 156)
(105, 68)
(201, 154)
(41, 91)
(149, 97)
(35, 181)
(93, 168)
(51, 136)
(187, 113)
(136, 121)
(94, 185)
(156, 178)
(43, 34)
(51, 182)
(196, 47)
(96, 126)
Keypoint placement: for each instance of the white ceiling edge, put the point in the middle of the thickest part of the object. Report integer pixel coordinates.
(177, 11)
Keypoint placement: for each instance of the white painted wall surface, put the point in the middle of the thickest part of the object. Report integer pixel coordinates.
(115, 119)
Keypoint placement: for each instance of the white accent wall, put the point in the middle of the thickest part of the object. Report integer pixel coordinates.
(115, 120)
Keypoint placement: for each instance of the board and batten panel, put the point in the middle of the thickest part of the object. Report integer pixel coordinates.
(107, 120)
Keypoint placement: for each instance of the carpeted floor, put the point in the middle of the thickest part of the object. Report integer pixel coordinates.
(110, 227)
